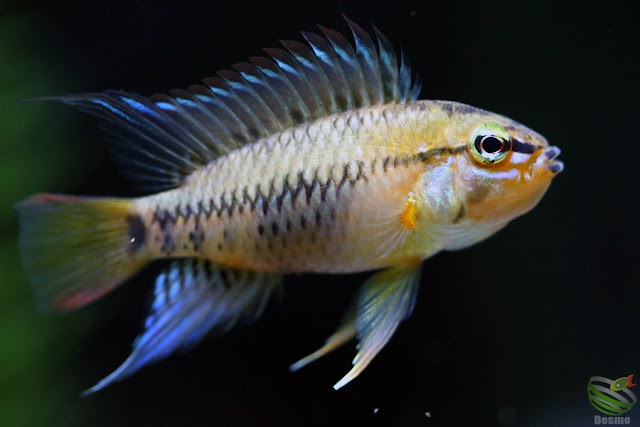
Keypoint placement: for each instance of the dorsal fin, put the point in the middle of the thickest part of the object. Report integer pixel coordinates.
(162, 139)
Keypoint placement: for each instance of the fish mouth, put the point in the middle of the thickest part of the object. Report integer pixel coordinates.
(548, 156)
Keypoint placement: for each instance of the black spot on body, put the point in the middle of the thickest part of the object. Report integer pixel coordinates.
(261, 229)
(197, 238)
(274, 229)
(318, 219)
(137, 232)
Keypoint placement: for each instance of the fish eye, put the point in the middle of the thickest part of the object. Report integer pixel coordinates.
(489, 143)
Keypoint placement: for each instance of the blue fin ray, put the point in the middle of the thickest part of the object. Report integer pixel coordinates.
(254, 104)
(331, 66)
(388, 67)
(369, 63)
(350, 65)
(291, 69)
(194, 298)
(178, 133)
(275, 77)
(256, 80)
(316, 77)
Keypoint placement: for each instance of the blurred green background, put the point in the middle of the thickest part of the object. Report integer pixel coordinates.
(516, 348)
(36, 154)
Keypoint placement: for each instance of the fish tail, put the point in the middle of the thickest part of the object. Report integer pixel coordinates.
(76, 249)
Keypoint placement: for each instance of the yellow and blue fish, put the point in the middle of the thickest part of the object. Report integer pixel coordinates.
(319, 158)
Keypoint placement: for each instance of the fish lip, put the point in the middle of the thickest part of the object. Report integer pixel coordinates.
(548, 156)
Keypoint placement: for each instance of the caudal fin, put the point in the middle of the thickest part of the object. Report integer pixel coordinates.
(76, 249)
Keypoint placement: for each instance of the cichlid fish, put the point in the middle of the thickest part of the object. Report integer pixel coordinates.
(317, 159)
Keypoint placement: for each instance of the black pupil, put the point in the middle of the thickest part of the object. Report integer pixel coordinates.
(491, 144)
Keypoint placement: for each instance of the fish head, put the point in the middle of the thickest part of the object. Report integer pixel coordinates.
(500, 169)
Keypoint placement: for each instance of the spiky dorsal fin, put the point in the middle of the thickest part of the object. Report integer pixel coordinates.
(162, 139)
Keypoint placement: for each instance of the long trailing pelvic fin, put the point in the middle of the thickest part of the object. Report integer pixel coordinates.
(382, 303)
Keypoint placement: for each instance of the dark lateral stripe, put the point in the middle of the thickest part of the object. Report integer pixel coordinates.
(166, 218)
(523, 147)
(427, 156)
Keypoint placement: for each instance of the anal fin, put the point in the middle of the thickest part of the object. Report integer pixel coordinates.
(194, 298)
(383, 301)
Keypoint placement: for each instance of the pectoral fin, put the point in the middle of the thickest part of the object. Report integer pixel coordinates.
(382, 303)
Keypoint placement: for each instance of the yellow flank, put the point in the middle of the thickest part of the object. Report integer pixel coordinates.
(365, 189)
(410, 213)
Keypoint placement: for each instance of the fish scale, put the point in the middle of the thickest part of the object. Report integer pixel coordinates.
(317, 159)
(315, 174)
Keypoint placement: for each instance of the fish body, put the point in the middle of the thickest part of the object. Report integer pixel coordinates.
(320, 197)
(321, 160)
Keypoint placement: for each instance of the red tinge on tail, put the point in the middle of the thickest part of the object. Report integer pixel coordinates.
(76, 249)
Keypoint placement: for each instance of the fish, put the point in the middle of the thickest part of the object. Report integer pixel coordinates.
(622, 383)
(317, 158)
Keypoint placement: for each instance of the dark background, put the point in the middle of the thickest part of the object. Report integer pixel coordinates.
(512, 348)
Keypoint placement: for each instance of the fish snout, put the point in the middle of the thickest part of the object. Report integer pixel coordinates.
(548, 156)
